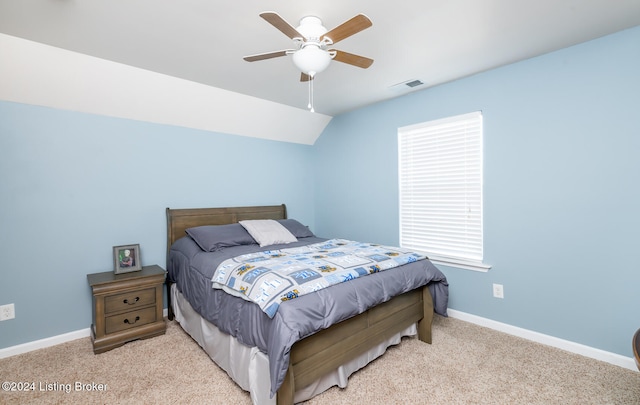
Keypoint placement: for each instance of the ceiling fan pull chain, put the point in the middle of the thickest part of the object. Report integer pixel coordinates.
(310, 86)
(309, 106)
(311, 102)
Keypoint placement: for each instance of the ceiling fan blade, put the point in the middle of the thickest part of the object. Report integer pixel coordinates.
(352, 59)
(305, 77)
(263, 56)
(348, 28)
(279, 22)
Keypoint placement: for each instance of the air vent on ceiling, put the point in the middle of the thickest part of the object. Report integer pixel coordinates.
(407, 85)
(414, 83)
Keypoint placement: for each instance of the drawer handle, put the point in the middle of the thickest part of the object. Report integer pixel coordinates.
(131, 323)
(126, 301)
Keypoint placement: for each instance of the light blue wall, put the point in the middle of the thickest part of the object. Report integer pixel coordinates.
(561, 187)
(562, 141)
(74, 185)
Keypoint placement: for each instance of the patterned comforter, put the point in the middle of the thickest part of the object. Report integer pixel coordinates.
(192, 269)
(270, 277)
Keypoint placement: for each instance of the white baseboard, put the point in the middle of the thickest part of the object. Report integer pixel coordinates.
(608, 357)
(587, 351)
(48, 342)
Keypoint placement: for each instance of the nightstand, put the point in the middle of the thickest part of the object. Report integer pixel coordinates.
(126, 307)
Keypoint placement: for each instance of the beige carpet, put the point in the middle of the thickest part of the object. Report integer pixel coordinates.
(466, 364)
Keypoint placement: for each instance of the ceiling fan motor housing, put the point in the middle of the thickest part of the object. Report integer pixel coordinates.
(311, 28)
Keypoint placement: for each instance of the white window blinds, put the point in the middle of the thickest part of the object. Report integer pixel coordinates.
(440, 169)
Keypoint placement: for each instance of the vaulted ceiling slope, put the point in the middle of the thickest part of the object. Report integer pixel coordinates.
(38, 74)
(203, 42)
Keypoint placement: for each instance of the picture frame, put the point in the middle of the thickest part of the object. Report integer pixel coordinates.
(126, 258)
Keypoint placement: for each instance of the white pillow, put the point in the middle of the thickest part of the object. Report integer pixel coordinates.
(268, 232)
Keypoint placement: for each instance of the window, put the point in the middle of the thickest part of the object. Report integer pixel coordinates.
(440, 177)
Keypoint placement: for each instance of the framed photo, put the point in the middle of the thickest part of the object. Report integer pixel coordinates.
(126, 258)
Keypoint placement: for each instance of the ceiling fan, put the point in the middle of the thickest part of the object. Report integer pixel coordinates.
(311, 42)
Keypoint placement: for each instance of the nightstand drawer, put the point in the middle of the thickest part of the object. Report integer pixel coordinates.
(129, 300)
(129, 320)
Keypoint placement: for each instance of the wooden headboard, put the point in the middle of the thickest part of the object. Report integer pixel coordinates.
(178, 220)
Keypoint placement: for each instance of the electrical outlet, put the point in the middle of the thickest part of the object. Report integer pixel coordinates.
(7, 312)
(498, 291)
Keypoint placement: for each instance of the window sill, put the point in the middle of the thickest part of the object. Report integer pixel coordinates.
(481, 267)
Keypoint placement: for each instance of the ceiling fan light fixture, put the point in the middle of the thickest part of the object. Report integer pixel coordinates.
(311, 59)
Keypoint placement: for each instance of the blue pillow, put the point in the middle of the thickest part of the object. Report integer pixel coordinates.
(296, 228)
(215, 237)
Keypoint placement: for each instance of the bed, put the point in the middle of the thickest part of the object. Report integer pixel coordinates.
(315, 357)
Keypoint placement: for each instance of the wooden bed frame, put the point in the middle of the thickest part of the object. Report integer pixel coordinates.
(323, 352)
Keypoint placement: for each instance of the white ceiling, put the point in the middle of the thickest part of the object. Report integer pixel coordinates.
(204, 41)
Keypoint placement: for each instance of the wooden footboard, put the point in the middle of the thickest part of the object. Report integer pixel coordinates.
(325, 351)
